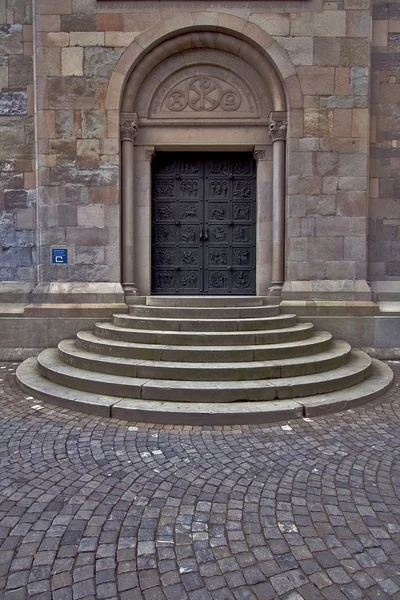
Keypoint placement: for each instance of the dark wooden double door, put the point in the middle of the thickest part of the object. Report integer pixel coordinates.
(203, 224)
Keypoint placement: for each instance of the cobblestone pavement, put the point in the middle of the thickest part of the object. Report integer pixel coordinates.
(92, 508)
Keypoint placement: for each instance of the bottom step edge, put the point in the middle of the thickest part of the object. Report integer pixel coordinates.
(178, 413)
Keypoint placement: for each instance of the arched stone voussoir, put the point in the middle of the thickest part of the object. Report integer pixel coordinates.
(240, 31)
(281, 60)
(162, 30)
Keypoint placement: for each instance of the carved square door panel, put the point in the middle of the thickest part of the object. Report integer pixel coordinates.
(203, 223)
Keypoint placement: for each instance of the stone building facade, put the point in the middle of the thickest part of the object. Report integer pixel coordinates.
(94, 92)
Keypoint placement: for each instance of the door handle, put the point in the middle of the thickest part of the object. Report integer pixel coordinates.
(204, 234)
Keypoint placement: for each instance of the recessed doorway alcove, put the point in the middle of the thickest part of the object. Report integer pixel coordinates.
(203, 92)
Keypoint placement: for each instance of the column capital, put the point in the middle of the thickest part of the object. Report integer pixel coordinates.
(260, 153)
(277, 126)
(149, 154)
(129, 125)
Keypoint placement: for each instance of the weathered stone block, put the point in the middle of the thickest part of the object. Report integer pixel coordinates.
(339, 269)
(89, 255)
(358, 23)
(99, 62)
(93, 124)
(297, 248)
(65, 124)
(343, 102)
(300, 163)
(15, 257)
(353, 52)
(318, 123)
(88, 236)
(120, 38)
(340, 226)
(341, 145)
(79, 22)
(8, 274)
(296, 206)
(309, 185)
(352, 204)
(109, 22)
(300, 50)
(320, 205)
(273, 24)
(353, 165)
(66, 215)
(71, 61)
(342, 122)
(20, 71)
(77, 194)
(329, 23)
(311, 270)
(11, 39)
(79, 38)
(91, 215)
(48, 62)
(96, 178)
(355, 248)
(342, 81)
(104, 195)
(379, 33)
(356, 184)
(88, 153)
(326, 163)
(17, 199)
(326, 51)
(55, 7)
(357, 4)
(13, 103)
(72, 92)
(385, 61)
(57, 38)
(325, 248)
(360, 123)
(65, 151)
(25, 218)
(317, 80)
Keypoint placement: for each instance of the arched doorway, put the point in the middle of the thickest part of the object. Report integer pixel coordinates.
(203, 92)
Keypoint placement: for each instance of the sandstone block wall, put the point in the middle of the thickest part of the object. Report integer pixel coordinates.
(328, 43)
(337, 177)
(17, 147)
(384, 213)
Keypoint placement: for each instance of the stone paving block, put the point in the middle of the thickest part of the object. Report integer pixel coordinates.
(162, 483)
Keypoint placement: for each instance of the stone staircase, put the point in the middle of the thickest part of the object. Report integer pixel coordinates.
(204, 361)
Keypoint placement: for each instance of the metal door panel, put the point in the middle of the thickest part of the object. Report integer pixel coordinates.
(204, 215)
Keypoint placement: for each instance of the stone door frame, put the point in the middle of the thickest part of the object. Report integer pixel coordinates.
(138, 143)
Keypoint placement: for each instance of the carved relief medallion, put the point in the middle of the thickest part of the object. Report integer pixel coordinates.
(203, 84)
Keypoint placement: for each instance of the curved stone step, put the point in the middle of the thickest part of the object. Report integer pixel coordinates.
(317, 342)
(204, 325)
(205, 300)
(236, 413)
(82, 359)
(197, 338)
(230, 312)
(355, 370)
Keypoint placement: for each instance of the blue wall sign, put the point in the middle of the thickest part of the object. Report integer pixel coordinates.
(59, 256)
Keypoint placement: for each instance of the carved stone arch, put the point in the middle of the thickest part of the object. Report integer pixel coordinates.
(191, 71)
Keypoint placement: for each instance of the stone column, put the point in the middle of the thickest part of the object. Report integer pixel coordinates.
(128, 129)
(263, 157)
(277, 131)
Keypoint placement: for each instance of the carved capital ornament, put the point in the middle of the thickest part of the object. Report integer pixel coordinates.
(259, 154)
(277, 127)
(129, 126)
